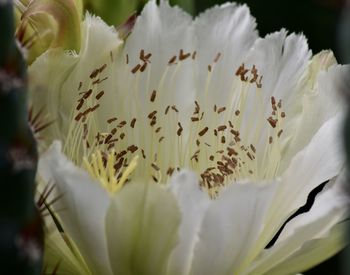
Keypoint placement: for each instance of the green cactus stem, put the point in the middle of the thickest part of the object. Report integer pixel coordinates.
(20, 226)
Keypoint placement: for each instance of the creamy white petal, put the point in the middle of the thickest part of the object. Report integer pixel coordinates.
(230, 228)
(310, 232)
(228, 30)
(142, 229)
(314, 252)
(161, 31)
(320, 101)
(282, 61)
(321, 160)
(193, 203)
(82, 207)
(56, 88)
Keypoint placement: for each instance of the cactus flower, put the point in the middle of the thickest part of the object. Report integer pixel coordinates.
(194, 147)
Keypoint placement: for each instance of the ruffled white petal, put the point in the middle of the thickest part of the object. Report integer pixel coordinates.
(161, 31)
(193, 203)
(56, 88)
(230, 228)
(142, 229)
(321, 99)
(82, 208)
(230, 31)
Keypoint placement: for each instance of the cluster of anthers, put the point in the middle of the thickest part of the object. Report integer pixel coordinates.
(209, 142)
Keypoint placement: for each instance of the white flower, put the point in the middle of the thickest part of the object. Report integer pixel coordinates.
(256, 119)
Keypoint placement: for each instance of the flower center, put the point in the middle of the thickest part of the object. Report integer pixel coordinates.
(240, 140)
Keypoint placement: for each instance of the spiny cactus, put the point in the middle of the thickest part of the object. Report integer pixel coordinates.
(20, 226)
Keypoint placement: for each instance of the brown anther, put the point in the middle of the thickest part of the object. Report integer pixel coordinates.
(222, 109)
(95, 107)
(174, 108)
(198, 142)
(253, 148)
(194, 55)
(136, 68)
(99, 95)
(158, 129)
(152, 114)
(87, 94)
(250, 156)
(160, 139)
(81, 102)
(283, 114)
(121, 124)
(270, 140)
(194, 119)
(179, 131)
(80, 85)
(143, 153)
(273, 100)
(203, 131)
(153, 121)
(142, 54)
(167, 110)
(217, 57)
(183, 56)
(111, 56)
(155, 179)
(153, 96)
(132, 123)
(143, 67)
(241, 71)
(122, 135)
(231, 151)
(172, 60)
(273, 122)
(279, 104)
(211, 157)
(209, 68)
(132, 148)
(94, 73)
(114, 130)
(170, 171)
(101, 69)
(85, 131)
(279, 133)
(230, 123)
(108, 138)
(127, 59)
(222, 128)
(109, 121)
(215, 132)
(234, 132)
(120, 154)
(237, 112)
(215, 108)
(223, 140)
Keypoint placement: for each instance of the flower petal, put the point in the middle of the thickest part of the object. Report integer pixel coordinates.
(142, 229)
(308, 233)
(321, 160)
(193, 203)
(62, 75)
(231, 227)
(161, 31)
(82, 208)
(228, 30)
(322, 93)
